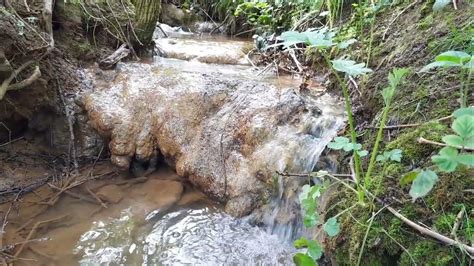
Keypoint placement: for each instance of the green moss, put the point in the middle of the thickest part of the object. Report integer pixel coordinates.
(413, 151)
(427, 253)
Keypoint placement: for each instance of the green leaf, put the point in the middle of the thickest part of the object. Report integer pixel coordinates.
(310, 220)
(350, 67)
(396, 155)
(301, 259)
(380, 158)
(453, 140)
(300, 243)
(331, 227)
(464, 126)
(362, 153)
(453, 56)
(408, 178)
(464, 111)
(338, 143)
(446, 159)
(396, 76)
(423, 184)
(439, 64)
(440, 4)
(466, 159)
(318, 39)
(314, 250)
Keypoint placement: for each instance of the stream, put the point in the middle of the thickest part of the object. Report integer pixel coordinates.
(165, 219)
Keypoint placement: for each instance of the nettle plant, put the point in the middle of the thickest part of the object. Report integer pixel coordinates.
(454, 154)
(323, 40)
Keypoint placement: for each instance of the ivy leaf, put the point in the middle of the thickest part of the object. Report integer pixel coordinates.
(464, 126)
(350, 67)
(301, 259)
(464, 111)
(338, 143)
(423, 184)
(331, 227)
(440, 4)
(446, 159)
(408, 178)
(466, 159)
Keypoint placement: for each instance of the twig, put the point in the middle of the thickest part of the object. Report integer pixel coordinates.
(33, 230)
(457, 222)
(455, 5)
(426, 141)
(96, 197)
(73, 194)
(308, 174)
(411, 125)
(5, 219)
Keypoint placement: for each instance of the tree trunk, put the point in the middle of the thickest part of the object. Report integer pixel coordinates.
(147, 13)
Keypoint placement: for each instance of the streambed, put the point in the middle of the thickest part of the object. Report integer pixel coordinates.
(223, 126)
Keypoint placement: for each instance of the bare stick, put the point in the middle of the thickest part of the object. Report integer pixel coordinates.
(426, 141)
(26, 82)
(96, 197)
(457, 222)
(33, 230)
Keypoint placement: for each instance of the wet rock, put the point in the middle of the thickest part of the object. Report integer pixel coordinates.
(241, 205)
(163, 193)
(174, 16)
(110, 193)
(227, 135)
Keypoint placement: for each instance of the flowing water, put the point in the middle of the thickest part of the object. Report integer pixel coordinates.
(163, 220)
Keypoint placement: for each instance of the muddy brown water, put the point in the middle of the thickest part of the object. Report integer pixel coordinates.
(159, 220)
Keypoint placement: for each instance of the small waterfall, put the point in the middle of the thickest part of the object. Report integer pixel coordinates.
(282, 215)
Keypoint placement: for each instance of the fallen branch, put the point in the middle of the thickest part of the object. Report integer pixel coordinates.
(111, 60)
(426, 141)
(6, 83)
(33, 230)
(457, 222)
(96, 198)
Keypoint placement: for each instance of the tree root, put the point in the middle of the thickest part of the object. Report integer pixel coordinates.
(22, 84)
(427, 141)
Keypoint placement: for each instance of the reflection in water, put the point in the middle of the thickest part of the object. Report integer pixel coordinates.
(195, 235)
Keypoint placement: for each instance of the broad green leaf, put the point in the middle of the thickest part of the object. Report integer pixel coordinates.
(304, 192)
(310, 220)
(396, 155)
(423, 184)
(362, 153)
(446, 159)
(466, 159)
(453, 140)
(380, 158)
(408, 178)
(314, 250)
(350, 67)
(346, 43)
(453, 56)
(331, 227)
(338, 143)
(464, 126)
(439, 64)
(318, 39)
(300, 243)
(464, 111)
(440, 4)
(301, 259)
